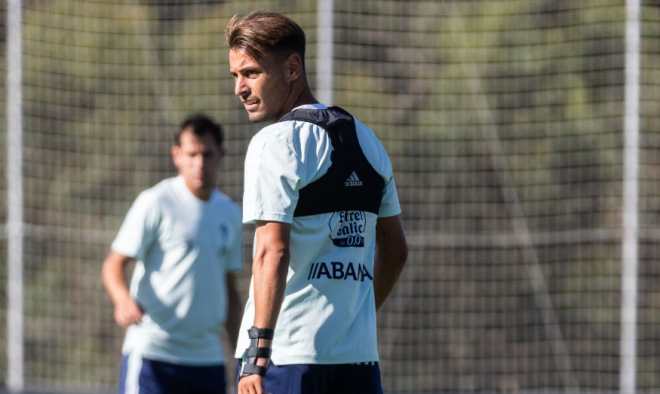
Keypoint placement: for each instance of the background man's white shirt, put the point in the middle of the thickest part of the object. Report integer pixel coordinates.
(184, 247)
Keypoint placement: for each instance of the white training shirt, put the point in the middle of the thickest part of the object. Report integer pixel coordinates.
(328, 315)
(184, 247)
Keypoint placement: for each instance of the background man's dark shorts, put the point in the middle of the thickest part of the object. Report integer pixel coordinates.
(157, 377)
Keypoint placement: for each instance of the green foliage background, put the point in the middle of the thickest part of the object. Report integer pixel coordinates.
(504, 123)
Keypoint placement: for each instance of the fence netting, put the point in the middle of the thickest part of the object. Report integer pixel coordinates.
(504, 123)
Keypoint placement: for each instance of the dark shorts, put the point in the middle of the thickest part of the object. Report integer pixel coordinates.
(323, 379)
(145, 376)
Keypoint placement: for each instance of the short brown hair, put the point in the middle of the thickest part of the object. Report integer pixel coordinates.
(260, 34)
(200, 125)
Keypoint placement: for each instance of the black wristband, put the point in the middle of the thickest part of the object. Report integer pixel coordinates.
(254, 352)
(261, 333)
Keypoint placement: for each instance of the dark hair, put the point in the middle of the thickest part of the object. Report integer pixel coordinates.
(200, 124)
(260, 34)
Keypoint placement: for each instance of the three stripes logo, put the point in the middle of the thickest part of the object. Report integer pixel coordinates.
(353, 180)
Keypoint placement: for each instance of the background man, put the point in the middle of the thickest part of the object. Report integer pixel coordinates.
(186, 238)
(329, 244)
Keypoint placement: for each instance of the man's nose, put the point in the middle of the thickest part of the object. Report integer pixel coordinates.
(239, 86)
(199, 161)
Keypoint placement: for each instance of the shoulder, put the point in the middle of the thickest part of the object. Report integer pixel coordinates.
(373, 149)
(158, 198)
(298, 138)
(156, 192)
(287, 131)
(366, 135)
(147, 209)
(159, 191)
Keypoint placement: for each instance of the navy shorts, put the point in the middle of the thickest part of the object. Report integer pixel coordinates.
(361, 378)
(143, 376)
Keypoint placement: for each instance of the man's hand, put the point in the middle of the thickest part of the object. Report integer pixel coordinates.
(253, 384)
(128, 312)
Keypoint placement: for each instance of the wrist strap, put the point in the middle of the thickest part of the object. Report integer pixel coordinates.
(254, 352)
(261, 333)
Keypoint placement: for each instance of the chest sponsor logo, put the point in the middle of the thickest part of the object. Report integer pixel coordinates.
(339, 271)
(347, 228)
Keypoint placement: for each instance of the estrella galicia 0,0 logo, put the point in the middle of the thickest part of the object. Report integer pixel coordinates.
(347, 228)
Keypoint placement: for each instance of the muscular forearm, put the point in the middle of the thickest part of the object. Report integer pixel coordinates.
(269, 284)
(391, 256)
(386, 274)
(269, 270)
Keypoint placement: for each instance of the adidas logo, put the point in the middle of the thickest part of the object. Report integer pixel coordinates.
(353, 180)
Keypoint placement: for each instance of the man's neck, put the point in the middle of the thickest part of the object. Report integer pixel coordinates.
(203, 194)
(305, 97)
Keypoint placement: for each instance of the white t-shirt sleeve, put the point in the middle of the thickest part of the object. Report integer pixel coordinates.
(390, 204)
(377, 155)
(138, 230)
(272, 176)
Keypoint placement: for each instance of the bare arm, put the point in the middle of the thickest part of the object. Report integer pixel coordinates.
(269, 271)
(391, 255)
(234, 310)
(127, 310)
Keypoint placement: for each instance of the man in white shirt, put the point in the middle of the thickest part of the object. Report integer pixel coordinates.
(329, 243)
(186, 239)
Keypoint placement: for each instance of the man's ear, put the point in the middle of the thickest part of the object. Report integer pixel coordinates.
(294, 66)
(175, 151)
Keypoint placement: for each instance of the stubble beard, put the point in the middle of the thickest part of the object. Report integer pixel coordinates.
(258, 117)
